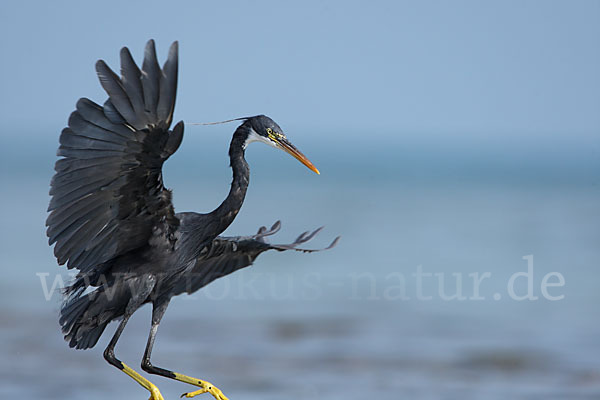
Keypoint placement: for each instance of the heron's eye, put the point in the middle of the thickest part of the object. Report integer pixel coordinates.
(271, 134)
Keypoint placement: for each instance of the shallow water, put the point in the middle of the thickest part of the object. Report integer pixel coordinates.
(352, 322)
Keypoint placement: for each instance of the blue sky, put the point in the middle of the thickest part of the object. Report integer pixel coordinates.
(443, 71)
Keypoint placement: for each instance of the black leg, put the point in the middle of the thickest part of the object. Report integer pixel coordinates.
(157, 314)
(109, 355)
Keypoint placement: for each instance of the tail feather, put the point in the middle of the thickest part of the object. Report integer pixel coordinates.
(72, 311)
(89, 338)
(83, 317)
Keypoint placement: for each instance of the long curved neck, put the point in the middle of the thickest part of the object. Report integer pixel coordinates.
(229, 208)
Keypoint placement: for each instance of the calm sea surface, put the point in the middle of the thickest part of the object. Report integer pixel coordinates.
(419, 300)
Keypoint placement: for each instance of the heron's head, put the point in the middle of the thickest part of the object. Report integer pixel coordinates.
(264, 129)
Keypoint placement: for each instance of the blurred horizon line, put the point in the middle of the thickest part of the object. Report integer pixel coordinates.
(362, 157)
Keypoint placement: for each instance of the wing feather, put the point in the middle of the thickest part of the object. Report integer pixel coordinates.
(164, 109)
(76, 142)
(115, 90)
(94, 114)
(86, 129)
(225, 255)
(150, 79)
(60, 183)
(83, 227)
(131, 75)
(108, 196)
(65, 199)
(58, 219)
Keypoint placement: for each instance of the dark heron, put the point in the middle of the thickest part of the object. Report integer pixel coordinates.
(112, 219)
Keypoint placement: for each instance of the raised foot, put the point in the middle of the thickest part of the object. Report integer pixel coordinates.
(207, 387)
(155, 393)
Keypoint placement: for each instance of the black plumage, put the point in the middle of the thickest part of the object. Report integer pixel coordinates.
(113, 220)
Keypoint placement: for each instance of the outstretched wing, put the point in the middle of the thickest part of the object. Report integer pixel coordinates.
(107, 194)
(228, 254)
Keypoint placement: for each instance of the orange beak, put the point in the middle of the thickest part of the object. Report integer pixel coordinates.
(297, 154)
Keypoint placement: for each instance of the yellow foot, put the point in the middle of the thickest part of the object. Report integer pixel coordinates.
(155, 393)
(207, 387)
(151, 387)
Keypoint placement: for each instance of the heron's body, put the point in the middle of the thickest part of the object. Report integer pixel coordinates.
(113, 220)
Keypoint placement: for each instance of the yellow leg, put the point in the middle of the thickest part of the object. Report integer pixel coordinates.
(206, 387)
(154, 392)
